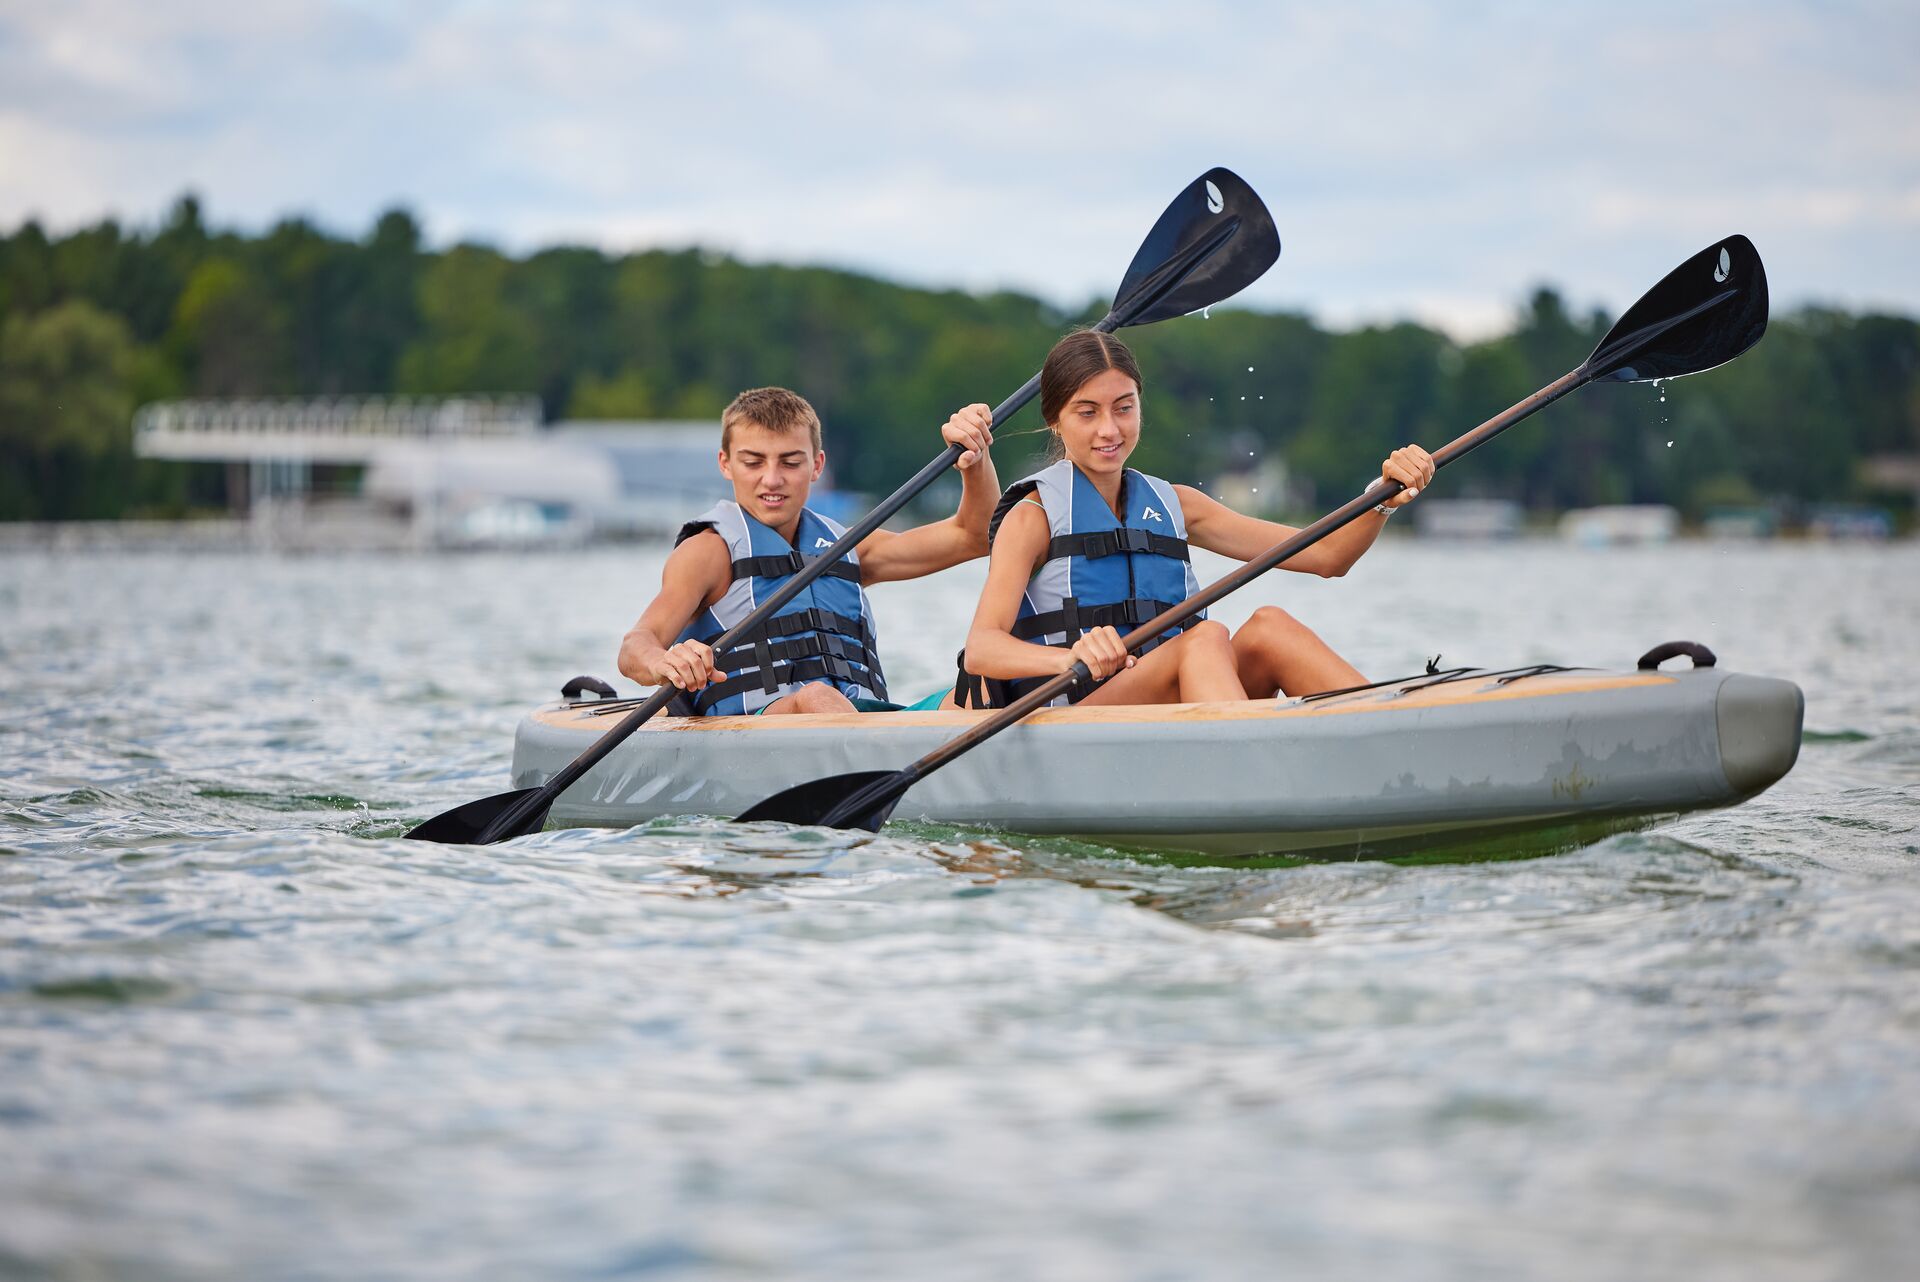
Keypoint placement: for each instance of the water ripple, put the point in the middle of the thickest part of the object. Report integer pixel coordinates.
(247, 1032)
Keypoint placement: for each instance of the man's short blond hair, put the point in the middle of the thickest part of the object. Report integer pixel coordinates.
(774, 408)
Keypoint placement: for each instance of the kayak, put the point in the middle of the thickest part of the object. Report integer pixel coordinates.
(1458, 755)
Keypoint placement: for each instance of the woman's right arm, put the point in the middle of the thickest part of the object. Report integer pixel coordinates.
(695, 575)
(992, 649)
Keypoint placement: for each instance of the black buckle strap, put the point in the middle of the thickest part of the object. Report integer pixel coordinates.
(800, 672)
(966, 686)
(813, 619)
(783, 565)
(1098, 543)
(971, 690)
(763, 663)
(763, 654)
(1074, 618)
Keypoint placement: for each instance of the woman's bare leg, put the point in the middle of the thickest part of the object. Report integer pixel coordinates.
(1198, 666)
(1278, 653)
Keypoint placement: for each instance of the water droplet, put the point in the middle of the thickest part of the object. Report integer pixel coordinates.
(1256, 489)
(1206, 313)
(1249, 453)
(1669, 444)
(1249, 369)
(1243, 398)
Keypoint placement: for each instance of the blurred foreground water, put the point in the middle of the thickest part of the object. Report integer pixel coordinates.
(247, 1033)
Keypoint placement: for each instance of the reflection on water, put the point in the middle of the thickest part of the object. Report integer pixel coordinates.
(247, 1032)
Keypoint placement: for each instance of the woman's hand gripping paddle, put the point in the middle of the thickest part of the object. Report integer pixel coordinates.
(1707, 311)
(1214, 240)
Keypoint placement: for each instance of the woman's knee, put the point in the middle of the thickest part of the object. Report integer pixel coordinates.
(1272, 621)
(1209, 633)
(1208, 639)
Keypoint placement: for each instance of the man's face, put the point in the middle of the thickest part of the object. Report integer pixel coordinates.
(772, 472)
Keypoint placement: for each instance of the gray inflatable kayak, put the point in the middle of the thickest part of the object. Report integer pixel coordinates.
(1457, 756)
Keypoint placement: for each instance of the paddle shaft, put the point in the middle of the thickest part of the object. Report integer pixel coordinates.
(1175, 615)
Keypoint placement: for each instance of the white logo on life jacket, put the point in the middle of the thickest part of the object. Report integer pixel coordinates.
(822, 543)
(1151, 515)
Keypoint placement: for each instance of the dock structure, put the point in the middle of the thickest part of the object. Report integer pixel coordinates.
(343, 430)
(272, 447)
(436, 472)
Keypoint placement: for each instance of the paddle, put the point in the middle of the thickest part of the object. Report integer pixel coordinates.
(1704, 313)
(1214, 240)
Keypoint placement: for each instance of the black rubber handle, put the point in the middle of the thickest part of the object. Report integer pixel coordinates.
(1701, 656)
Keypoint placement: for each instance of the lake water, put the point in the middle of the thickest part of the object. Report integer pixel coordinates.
(245, 1032)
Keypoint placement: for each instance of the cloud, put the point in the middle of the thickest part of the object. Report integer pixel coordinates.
(1419, 159)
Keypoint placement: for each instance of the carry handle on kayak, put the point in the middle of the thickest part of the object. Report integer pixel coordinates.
(1214, 240)
(1704, 313)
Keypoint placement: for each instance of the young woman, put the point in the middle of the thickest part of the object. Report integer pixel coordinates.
(1088, 548)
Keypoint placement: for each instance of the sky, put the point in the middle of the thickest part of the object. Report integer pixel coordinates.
(1427, 160)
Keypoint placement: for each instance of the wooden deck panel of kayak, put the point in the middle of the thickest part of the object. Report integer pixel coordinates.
(1385, 699)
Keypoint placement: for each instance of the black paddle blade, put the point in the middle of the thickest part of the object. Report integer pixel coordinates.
(862, 799)
(1707, 311)
(1215, 239)
(467, 825)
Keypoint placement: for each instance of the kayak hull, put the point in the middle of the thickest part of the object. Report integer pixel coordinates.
(1373, 771)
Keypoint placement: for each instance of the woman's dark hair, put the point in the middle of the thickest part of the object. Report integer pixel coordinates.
(1076, 358)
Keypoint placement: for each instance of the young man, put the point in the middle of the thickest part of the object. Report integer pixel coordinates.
(818, 652)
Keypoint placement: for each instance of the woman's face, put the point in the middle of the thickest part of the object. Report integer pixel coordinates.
(1101, 423)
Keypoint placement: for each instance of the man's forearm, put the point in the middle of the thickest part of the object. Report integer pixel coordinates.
(979, 491)
(640, 653)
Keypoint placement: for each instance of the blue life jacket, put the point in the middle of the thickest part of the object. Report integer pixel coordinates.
(1100, 571)
(825, 633)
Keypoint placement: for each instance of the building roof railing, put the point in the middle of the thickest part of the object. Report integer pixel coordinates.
(347, 415)
(330, 429)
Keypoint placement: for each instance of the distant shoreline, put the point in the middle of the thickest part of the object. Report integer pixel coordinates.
(231, 534)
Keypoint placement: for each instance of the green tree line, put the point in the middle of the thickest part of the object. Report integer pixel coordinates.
(96, 322)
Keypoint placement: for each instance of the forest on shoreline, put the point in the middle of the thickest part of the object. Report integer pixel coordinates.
(98, 321)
